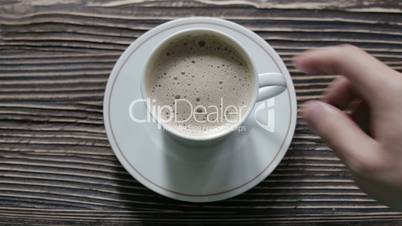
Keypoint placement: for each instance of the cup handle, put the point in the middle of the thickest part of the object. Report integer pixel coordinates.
(270, 85)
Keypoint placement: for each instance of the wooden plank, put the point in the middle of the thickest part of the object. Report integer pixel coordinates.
(56, 165)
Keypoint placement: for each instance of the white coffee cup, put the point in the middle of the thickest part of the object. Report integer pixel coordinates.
(265, 85)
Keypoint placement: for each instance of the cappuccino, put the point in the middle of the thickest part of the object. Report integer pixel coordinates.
(199, 84)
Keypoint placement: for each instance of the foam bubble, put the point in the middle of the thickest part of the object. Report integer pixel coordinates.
(201, 43)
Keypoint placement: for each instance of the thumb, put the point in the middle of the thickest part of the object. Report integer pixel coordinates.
(356, 148)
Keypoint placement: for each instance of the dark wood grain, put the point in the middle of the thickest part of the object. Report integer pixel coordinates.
(56, 165)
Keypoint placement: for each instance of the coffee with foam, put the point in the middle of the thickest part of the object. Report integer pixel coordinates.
(199, 84)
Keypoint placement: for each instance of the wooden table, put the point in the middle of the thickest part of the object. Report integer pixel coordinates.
(56, 165)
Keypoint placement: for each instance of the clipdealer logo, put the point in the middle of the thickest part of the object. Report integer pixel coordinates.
(264, 113)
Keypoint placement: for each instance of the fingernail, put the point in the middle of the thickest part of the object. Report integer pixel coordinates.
(298, 62)
(312, 112)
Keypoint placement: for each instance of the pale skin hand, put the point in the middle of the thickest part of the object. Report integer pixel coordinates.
(369, 137)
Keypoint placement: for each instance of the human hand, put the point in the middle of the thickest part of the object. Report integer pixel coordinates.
(360, 117)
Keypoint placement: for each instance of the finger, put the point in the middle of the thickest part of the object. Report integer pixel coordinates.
(367, 74)
(340, 93)
(356, 148)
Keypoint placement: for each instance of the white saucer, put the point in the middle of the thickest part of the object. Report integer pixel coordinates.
(198, 174)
